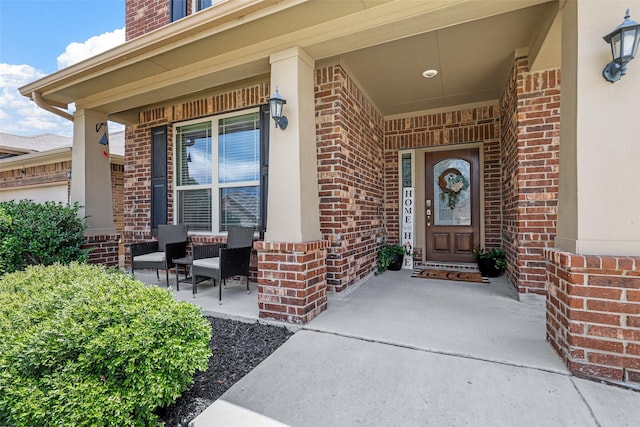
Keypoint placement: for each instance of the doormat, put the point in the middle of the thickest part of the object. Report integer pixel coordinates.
(460, 276)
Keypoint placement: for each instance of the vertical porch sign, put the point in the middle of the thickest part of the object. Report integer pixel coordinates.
(407, 226)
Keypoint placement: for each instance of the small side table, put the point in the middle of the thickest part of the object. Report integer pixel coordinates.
(186, 262)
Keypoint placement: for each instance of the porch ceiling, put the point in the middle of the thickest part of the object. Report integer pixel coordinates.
(385, 43)
(473, 60)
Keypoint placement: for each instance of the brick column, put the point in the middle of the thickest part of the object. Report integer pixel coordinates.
(292, 280)
(593, 314)
(104, 249)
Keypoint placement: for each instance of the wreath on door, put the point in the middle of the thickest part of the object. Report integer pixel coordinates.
(452, 182)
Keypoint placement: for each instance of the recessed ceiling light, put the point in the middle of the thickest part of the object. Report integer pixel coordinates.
(427, 74)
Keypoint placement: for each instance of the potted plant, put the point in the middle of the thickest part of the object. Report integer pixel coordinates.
(491, 262)
(390, 257)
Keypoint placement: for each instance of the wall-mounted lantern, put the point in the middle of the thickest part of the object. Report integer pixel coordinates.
(624, 45)
(276, 102)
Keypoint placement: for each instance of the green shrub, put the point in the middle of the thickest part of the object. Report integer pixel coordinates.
(39, 233)
(86, 346)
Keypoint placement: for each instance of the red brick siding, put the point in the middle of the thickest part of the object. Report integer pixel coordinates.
(117, 196)
(292, 285)
(57, 173)
(104, 249)
(593, 313)
(137, 169)
(509, 159)
(530, 128)
(143, 16)
(36, 175)
(349, 137)
(439, 129)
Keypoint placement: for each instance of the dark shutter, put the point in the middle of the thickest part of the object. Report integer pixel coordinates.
(265, 116)
(158, 176)
(178, 9)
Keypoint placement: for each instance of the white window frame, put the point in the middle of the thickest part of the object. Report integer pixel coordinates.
(215, 185)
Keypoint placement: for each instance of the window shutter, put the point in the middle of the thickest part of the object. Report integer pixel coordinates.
(178, 9)
(265, 116)
(159, 201)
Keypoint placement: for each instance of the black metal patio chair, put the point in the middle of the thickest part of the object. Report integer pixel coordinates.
(159, 254)
(221, 261)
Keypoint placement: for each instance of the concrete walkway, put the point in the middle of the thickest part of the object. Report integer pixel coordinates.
(400, 351)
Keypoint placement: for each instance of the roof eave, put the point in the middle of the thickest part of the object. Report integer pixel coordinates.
(223, 16)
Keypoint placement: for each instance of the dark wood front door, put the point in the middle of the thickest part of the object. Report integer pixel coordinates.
(452, 204)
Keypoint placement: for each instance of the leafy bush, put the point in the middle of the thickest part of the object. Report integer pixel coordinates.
(86, 346)
(34, 233)
(387, 256)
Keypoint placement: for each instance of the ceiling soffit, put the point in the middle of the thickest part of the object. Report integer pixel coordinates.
(473, 61)
(383, 42)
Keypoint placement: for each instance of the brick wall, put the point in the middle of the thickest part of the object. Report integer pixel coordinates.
(137, 168)
(349, 137)
(292, 285)
(57, 173)
(593, 314)
(450, 128)
(117, 196)
(143, 16)
(530, 128)
(36, 175)
(104, 249)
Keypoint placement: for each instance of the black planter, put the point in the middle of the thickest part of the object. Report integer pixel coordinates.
(396, 265)
(487, 267)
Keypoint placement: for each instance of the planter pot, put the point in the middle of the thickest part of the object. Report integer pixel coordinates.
(487, 267)
(396, 265)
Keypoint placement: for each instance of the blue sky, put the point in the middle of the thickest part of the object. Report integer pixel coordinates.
(39, 37)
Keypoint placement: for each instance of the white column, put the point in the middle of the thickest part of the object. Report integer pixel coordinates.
(293, 207)
(599, 194)
(91, 171)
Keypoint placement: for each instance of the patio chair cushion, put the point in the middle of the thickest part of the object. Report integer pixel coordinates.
(207, 262)
(152, 257)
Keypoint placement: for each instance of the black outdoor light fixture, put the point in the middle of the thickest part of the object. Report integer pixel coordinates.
(624, 45)
(276, 102)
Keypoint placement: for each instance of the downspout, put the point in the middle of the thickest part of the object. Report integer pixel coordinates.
(35, 96)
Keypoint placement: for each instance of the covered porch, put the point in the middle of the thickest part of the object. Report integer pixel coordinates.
(357, 102)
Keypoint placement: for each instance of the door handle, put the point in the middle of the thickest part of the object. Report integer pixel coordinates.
(428, 213)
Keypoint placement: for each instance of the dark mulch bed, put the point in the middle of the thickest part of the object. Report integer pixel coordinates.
(236, 349)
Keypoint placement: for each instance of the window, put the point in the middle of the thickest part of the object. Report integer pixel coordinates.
(177, 9)
(218, 172)
(203, 4)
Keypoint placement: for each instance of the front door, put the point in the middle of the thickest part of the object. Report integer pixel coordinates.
(452, 204)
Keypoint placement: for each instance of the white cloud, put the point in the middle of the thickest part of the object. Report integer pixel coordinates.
(76, 52)
(20, 116)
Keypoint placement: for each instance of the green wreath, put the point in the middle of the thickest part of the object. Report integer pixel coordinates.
(452, 182)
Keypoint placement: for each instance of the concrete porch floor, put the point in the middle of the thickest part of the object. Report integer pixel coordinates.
(402, 351)
(235, 304)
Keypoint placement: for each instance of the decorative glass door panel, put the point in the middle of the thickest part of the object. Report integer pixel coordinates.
(452, 192)
(452, 205)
